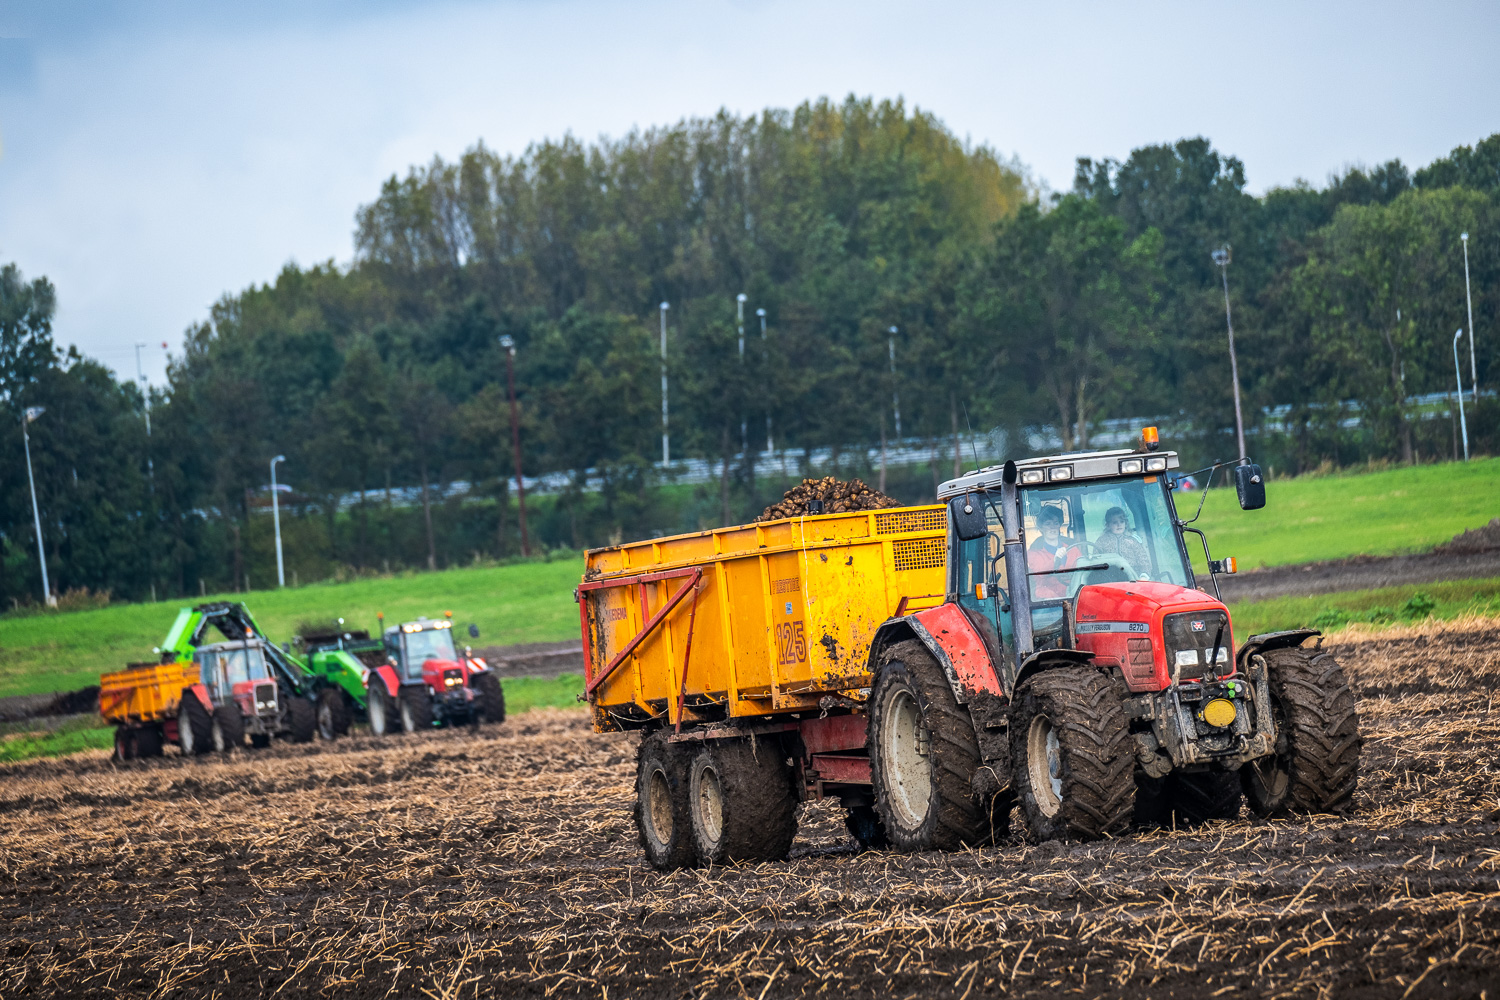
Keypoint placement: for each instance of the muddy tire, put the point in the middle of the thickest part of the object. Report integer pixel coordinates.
(923, 756)
(863, 824)
(416, 710)
(124, 745)
(194, 726)
(1074, 760)
(1315, 767)
(492, 698)
(741, 802)
(301, 719)
(661, 804)
(333, 713)
(380, 709)
(148, 741)
(227, 729)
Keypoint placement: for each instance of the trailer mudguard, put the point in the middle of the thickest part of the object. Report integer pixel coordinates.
(387, 675)
(953, 642)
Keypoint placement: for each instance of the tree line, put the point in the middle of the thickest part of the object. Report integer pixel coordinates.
(383, 382)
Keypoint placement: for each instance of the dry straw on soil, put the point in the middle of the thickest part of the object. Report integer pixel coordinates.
(505, 864)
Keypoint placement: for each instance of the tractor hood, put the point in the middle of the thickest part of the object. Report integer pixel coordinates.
(1141, 601)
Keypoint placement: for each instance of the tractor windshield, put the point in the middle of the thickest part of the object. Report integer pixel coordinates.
(429, 644)
(1122, 526)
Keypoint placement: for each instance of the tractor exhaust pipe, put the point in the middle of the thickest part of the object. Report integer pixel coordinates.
(1015, 562)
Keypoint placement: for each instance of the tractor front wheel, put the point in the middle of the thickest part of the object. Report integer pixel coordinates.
(1074, 759)
(416, 710)
(1315, 766)
(661, 803)
(227, 730)
(194, 726)
(302, 719)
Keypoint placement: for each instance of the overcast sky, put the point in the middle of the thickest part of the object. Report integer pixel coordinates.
(155, 156)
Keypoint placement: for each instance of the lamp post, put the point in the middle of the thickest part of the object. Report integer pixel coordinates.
(765, 350)
(739, 313)
(32, 412)
(1221, 258)
(666, 446)
(1469, 300)
(276, 522)
(895, 396)
(1459, 376)
(140, 377)
(509, 346)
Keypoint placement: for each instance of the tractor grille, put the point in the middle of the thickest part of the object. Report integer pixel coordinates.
(453, 678)
(1192, 635)
(265, 698)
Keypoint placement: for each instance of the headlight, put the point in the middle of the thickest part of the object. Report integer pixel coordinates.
(1032, 476)
(1060, 472)
(1187, 658)
(1130, 466)
(1156, 464)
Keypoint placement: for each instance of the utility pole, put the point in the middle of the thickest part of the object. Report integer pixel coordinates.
(1469, 299)
(666, 444)
(765, 350)
(1459, 376)
(739, 319)
(276, 521)
(515, 435)
(32, 412)
(1221, 258)
(895, 395)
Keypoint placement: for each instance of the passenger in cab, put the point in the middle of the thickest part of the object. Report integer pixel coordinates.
(1119, 540)
(1052, 551)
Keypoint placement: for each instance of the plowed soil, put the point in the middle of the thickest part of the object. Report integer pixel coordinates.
(506, 864)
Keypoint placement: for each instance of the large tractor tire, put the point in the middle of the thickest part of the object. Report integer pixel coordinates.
(1315, 767)
(923, 756)
(1074, 760)
(492, 697)
(661, 803)
(227, 728)
(416, 710)
(381, 709)
(333, 713)
(194, 726)
(741, 801)
(148, 741)
(301, 719)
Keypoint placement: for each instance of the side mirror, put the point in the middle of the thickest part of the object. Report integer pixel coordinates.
(473, 631)
(1250, 484)
(968, 518)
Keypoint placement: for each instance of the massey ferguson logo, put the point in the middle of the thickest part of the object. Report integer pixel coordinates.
(1199, 626)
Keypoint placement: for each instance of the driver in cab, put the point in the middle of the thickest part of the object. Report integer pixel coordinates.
(1051, 552)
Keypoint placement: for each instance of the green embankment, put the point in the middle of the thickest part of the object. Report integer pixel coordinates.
(527, 602)
(1388, 605)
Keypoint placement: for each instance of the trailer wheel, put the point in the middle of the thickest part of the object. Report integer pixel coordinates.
(1315, 766)
(661, 804)
(742, 802)
(382, 714)
(923, 756)
(227, 730)
(124, 744)
(193, 726)
(148, 741)
(1074, 759)
(863, 824)
(493, 695)
(333, 713)
(302, 719)
(416, 710)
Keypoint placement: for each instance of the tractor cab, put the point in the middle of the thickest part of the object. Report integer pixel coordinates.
(238, 672)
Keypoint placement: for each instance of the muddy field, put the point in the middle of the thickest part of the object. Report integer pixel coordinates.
(505, 864)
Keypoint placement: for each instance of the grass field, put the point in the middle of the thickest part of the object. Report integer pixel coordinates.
(1389, 605)
(527, 602)
(1314, 518)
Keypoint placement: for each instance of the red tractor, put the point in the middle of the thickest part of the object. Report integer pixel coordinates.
(424, 682)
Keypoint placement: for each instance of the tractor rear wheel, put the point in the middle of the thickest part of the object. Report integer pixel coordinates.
(382, 713)
(661, 803)
(194, 726)
(124, 744)
(227, 729)
(301, 719)
(416, 710)
(1315, 766)
(741, 801)
(492, 696)
(923, 756)
(1074, 760)
(333, 713)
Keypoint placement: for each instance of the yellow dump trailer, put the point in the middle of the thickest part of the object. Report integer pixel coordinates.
(142, 701)
(753, 620)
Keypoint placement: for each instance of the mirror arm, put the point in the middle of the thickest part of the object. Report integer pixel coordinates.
(1207, 558)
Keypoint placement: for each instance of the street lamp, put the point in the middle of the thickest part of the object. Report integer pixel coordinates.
(32, 412)
(509, 346)
(739, 311)
(1469, 299)
(666, 447)
(1221, 258)
(1458, 375)
(140, 377)
(895, 396)
(764, 347)
(276, 521)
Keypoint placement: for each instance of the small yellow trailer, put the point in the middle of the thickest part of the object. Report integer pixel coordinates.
(143, 701)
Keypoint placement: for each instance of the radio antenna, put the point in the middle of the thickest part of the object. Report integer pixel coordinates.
(972, 443)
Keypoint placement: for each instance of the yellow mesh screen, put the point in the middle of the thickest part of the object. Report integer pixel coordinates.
(918, 553)
(910, 520)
